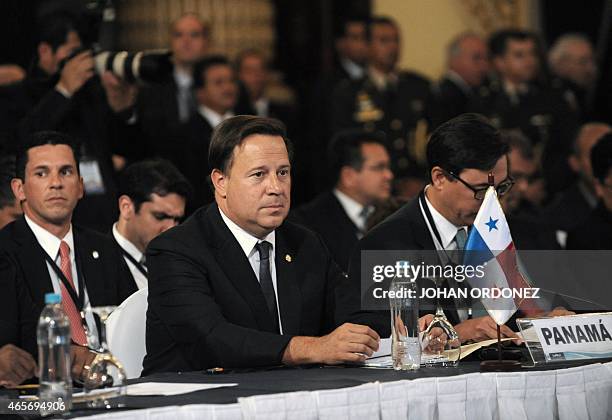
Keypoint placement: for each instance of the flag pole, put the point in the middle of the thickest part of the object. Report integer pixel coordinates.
(499, 348)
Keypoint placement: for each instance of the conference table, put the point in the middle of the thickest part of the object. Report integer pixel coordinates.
(561, 390)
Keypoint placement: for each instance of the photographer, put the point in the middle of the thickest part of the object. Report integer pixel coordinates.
(62, 92)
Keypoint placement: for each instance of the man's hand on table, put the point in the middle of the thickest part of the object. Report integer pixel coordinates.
(483, 328)
(347, 343)
(16, 365)
(81, 358)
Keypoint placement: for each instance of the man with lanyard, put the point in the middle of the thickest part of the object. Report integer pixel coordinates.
(42, 252)
(152, 198)
(462, 155)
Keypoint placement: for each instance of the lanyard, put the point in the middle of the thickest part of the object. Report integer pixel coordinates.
(432, 226)
(136, 264)
(77, 299)
(430, 220)
(129, 256)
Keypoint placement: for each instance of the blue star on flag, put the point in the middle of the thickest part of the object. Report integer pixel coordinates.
(492, 224)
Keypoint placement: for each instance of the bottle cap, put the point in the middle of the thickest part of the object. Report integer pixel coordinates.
(52, 298)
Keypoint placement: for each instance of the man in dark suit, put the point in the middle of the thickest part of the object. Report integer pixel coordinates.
(152, 198)
(467, 68)
(361, 172)
(162, 108)
(461, 154)
(596, 231)
(253, 72)
(572, 207)
(351, 53)
(528, 229)
(216, 92)
(43, 252)
(386, 99)
(236, 285)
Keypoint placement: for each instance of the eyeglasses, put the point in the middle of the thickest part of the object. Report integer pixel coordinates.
(479, 193)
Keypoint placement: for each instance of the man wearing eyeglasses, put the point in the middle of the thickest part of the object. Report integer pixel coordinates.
(463, 155)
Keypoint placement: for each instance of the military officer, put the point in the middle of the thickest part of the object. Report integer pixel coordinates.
(514, 100)
(388, 100)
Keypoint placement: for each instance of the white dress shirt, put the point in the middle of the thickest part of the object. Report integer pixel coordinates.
(458, 81)
(447, 231)
(353, 209)
(51, 245)
(130, 248)
(184, 96)
(354, 70)
(262, 107)
(247, 242)
(213, 117)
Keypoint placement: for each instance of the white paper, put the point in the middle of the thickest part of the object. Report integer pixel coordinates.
(384, 348)
(160, 388)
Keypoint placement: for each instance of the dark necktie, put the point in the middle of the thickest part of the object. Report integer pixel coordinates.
(460, 239)
(265, 280)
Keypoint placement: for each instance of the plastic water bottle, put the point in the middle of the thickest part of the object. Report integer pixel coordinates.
(404, 305)
(53, 337)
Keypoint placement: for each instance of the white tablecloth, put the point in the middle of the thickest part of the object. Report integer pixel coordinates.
(575, 393)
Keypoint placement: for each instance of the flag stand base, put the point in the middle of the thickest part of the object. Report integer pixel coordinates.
(499, 365)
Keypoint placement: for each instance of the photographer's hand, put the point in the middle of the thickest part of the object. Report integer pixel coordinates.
(75, 73)
(120, 94)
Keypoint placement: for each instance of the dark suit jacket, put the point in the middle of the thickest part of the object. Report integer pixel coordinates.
(403, 230)
(158, 117)
(594, 233)
(568, 211)
(25, 279)
(450, 100)
(206, 307)
(187, 148)
(326, 216)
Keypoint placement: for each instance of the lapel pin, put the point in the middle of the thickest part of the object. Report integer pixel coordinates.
(95, 255)
(288, 258)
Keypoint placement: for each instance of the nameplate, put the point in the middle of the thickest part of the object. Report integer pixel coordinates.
(575, 337)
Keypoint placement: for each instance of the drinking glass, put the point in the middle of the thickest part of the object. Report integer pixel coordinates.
(105, 381)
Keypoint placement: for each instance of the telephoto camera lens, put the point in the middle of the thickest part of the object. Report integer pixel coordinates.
(149, 67)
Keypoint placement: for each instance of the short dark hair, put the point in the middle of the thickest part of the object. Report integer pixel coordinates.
(250, 52)
(54, 28)
(468, 141)
(156, 176)
(342, 24)
(42, 138)
(7, 172)
(345, 149)
(601, 158)
(516, 139)
(498, 41)
(232, 132)
(378, 20)
(202, 66)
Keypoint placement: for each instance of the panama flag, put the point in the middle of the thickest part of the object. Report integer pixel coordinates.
(490, 244)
